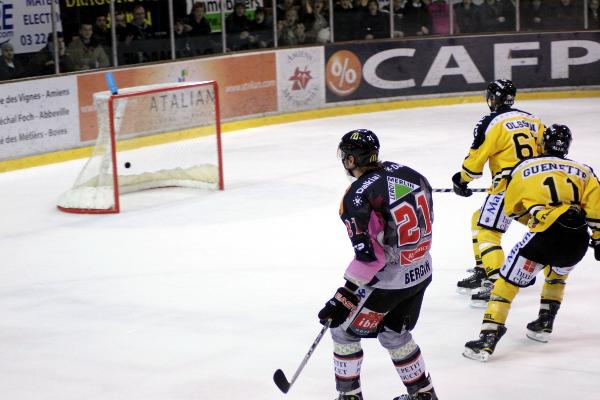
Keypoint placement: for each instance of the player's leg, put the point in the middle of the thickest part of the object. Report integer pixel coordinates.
(492, 224)
(347, 360)
(564, 245)
(404, 351)
(473, 281)
(551, 299)
(516, 272)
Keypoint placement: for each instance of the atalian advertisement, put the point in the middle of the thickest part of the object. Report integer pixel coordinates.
(38, 118)
(301, 83)
(247, 84)
(367, 70)
(26, 23)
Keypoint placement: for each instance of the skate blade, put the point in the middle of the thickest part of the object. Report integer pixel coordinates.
(542, 337)
(479, 303)
(465, 291)
(477, 356)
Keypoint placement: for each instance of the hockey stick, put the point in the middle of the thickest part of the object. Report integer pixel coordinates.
(476, 190)
(279, 377)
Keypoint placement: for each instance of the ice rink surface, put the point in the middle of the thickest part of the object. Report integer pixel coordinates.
(190, 295)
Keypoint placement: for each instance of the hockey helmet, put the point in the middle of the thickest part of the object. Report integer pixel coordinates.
(556, 140)
(502, 91)
(362, 144)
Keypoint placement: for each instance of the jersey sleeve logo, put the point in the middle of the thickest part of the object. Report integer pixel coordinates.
(398, 188)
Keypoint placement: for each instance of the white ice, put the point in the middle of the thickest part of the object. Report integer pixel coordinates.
(198, 295)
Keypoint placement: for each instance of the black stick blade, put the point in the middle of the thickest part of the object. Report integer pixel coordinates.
(281, 381)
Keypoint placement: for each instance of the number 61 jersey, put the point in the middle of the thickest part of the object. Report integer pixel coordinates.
(388, 213)
(546, 187)
(502, 138)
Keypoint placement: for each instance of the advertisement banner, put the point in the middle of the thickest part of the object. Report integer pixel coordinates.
(247, 84)
(38, 117)
(367, 70)
(300, 77)
(27, 23)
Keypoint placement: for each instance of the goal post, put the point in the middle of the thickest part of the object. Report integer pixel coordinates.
(156, 136)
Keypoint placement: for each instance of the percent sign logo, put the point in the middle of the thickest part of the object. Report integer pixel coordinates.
(344, 73)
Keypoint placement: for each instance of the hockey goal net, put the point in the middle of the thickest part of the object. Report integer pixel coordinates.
(156, 136)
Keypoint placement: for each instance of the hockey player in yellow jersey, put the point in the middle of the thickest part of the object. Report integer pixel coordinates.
(561, 199)
(502, 139)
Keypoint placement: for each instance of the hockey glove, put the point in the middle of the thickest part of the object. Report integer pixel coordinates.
(338, 308)
(596, 245)
(460, 187)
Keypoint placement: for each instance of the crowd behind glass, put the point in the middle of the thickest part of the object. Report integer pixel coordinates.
(89, 43)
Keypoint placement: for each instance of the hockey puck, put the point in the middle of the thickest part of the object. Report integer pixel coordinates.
(127, 164)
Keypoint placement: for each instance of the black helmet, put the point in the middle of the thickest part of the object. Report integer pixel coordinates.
(503, 91)
(556, 140)
(362, 144)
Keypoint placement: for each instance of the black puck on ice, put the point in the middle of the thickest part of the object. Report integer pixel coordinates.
(127, 164)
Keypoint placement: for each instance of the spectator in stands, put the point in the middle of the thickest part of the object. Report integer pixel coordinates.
(594, 15)
(237, 26)
(84, 52)
(261, 29)
(497, 16)
(566, 15)
(416, 21)
(183, 46)
(534, 16)
(140, 36)
(344, 20)
(440, 17)
(398, 15)
(42, 63)
(361, 7)
(9, 67)
(373, 23)
(316, 21)
(290, 31)
(199, 30)
(466, 17)
(121, 26)
(102, 33)
(283, 6)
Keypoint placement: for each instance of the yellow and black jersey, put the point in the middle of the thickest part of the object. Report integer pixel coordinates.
(546, 187)
(502, 138)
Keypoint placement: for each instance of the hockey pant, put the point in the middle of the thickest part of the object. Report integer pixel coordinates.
(487, 226)
(556, 250)
(389, 315)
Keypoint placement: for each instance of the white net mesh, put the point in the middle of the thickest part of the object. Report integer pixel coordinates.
(165, 135)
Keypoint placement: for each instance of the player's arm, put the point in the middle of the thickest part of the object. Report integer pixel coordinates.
(363, 225)
(590, 201)
(472, 167)
(479, 153)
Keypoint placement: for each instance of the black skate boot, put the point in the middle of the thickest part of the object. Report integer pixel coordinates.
(541, 328)
(420, 391)
(480, 298)
(483, 347)
(467, 285)
(343, 396)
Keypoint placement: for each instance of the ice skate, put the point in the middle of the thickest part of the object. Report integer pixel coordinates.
(540, 329)
(480, 298)
(484, 347)
(420, 391)
(470, 283)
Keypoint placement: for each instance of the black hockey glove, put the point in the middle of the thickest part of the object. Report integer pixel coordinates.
(460, 187)
(338, 308)
(596, 245)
